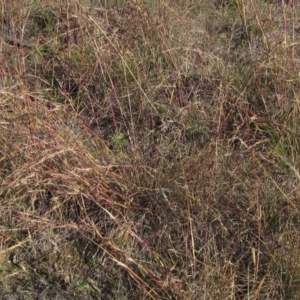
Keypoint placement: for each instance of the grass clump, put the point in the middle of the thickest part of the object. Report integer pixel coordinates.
(149, 150)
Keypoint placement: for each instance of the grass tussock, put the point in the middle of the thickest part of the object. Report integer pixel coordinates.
(149, 150)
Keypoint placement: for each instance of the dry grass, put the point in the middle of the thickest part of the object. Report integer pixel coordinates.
(149, 150)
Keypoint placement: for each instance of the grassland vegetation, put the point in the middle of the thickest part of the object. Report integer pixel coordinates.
(149, 149)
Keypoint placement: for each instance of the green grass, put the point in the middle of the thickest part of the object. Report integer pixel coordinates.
(149, 150)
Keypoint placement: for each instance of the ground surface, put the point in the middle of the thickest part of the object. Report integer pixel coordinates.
(149, 150)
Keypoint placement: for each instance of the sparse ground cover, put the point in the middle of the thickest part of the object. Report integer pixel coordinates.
(149, 150)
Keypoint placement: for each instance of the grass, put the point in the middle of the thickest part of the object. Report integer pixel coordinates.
(149, 150)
